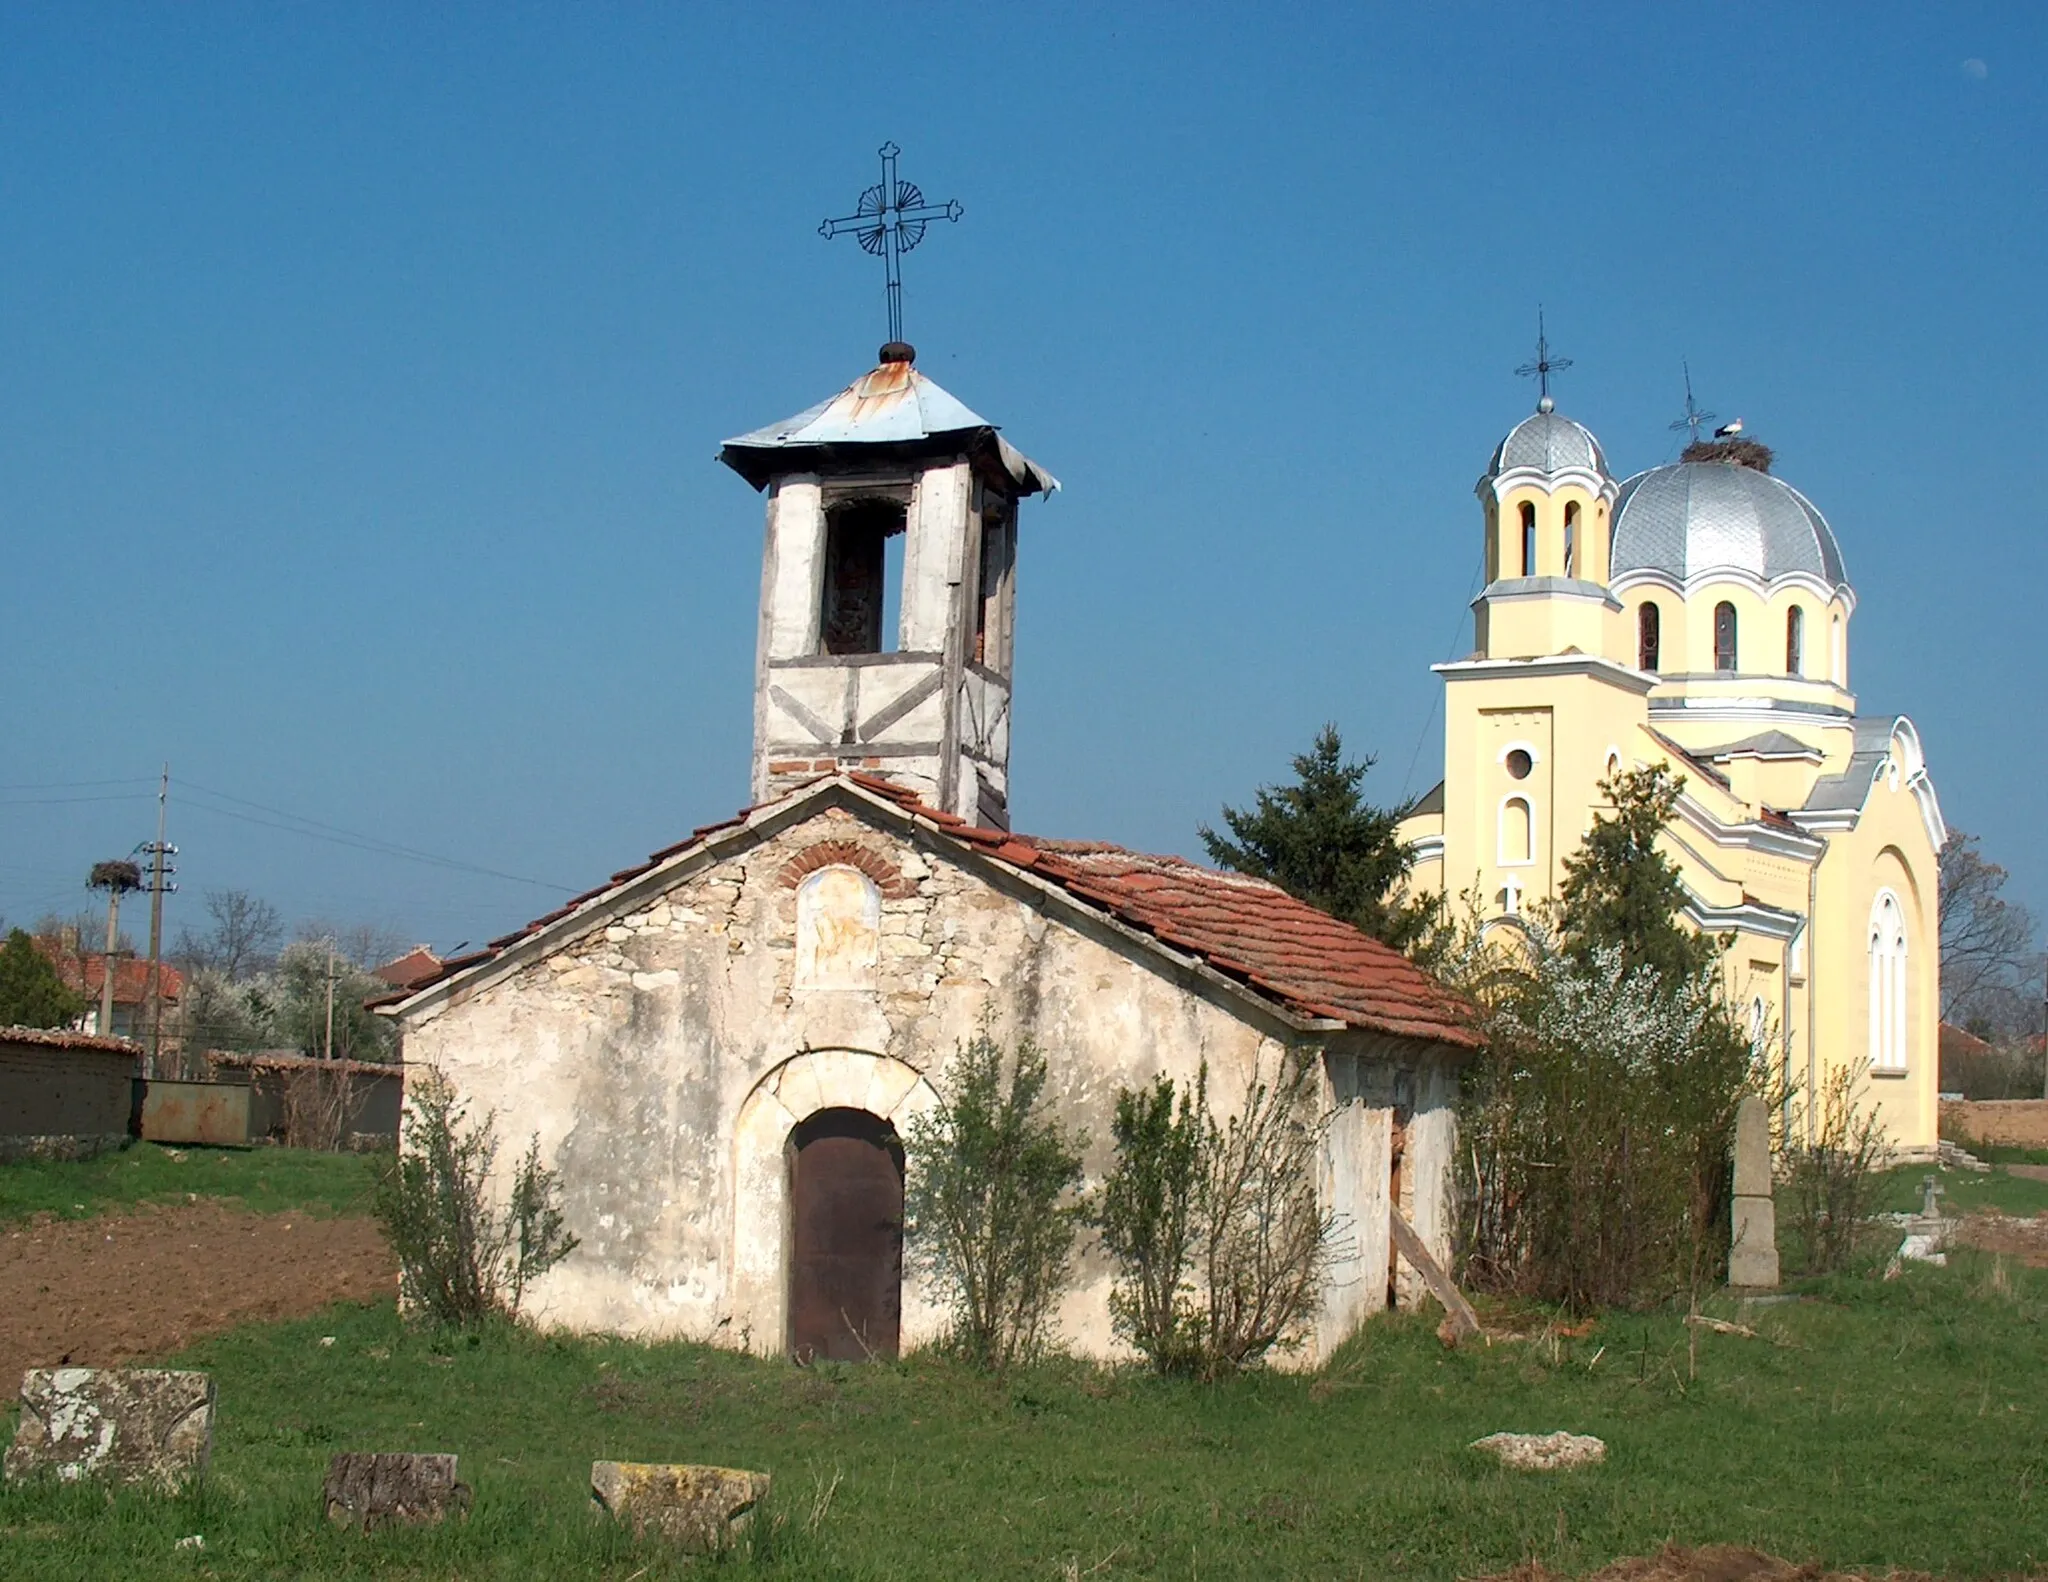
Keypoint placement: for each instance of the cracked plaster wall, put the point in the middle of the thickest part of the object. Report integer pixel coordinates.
(632, 1051)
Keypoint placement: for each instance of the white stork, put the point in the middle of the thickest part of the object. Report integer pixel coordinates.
(1728, 430)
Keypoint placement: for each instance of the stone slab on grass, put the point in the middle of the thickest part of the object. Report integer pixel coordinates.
(1543, 1452)
(701, 1508)
(411, 1489)
(150, 1426)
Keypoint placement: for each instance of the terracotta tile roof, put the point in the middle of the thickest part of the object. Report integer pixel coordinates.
(64, 1038)
(416, 966)
(84, 973)
(1283, 949)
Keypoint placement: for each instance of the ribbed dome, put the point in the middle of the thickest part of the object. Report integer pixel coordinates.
(1549, 442)
(1696, 516)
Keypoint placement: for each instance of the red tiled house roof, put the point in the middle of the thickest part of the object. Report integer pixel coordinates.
(418, 965)
(84, 972)
(1304, 962)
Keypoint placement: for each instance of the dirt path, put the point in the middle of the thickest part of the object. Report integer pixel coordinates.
(133, 1286)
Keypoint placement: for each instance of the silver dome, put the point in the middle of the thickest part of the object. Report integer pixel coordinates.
(1696, 516)
(1549, 442)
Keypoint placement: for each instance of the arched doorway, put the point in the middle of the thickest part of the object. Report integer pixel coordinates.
(846, 1237)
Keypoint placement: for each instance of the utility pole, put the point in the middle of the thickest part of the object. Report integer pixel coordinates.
(159, 886)
(330, 996)
(117, 878)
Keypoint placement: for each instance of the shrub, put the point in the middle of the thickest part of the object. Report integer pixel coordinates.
(1597, 1126)
(1218, 1233)
(31, 992)
(1146, 1215)
(1832, 1177)
(988, 1169)
(461, 1263)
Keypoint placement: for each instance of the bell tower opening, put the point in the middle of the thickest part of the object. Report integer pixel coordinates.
(863, 571)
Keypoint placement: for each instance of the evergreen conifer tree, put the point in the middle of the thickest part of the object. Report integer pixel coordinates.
(31, 993)
(1322, 842)
(1620, 891)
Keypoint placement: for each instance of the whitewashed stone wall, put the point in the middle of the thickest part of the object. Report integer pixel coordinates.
(662, 1058)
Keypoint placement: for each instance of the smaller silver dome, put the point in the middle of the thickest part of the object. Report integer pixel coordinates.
(1696, 516)
(1549, 442)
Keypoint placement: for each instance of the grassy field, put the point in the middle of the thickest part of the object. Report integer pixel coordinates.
(1875, 1424)
(264, 1180)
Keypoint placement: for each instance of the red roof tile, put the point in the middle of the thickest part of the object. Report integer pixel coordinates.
(84, 973)
(1301, 958)
(416, 966)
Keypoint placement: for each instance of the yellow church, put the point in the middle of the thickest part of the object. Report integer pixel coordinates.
(1697, 616)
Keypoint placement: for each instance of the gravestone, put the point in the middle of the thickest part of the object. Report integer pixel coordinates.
(370, 1490)
(1543, 1452)
(1753, 1249)
(126, 1425)
(702, 1508)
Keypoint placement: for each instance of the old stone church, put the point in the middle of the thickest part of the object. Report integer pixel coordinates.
(719, 1047)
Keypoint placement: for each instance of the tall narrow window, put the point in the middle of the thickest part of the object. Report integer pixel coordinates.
(1795, 640)
(1838, 657)
(1528, 539)
(992, 610)
(1724, 636)
(1571, 538)
(850, 617)
(1649, 636)
(1517, 831)
(1887, 983)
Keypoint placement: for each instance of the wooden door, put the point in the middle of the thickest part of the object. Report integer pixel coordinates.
(846, 1247)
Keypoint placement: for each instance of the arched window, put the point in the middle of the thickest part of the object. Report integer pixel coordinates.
(1724, 636)
(1887, 983)
(1517, 831)
(1528, 539)
(1839, 658)
(1571, 538)
(1649, 635)
(1795, 641)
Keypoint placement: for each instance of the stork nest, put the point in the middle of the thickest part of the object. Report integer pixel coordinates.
(119, 875)
(1742, 452)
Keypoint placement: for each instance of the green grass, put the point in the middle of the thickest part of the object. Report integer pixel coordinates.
(2004, 1153)
(1876, 1424)
(266, 1180)
(1963, 1191)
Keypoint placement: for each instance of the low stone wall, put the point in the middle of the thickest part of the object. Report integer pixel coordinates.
(64, 1095)
(2002, 1123)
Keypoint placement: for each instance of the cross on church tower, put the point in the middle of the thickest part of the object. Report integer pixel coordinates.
(889, 221)
(1544, 366)
(1695, 418)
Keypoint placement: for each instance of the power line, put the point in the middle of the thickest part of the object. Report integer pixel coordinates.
(65, 801)
(334, 835)
(76, 785)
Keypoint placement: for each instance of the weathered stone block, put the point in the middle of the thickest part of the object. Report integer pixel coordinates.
(702, 1508)
(1543, 1452)
(1752, 1148)
(127, 1425)
(1753, 1250)
(372, 1490)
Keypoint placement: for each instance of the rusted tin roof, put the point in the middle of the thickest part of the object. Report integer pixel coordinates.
(892, 405)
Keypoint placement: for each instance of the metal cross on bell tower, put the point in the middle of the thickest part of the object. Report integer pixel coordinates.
(890, 221)
(1544, 366)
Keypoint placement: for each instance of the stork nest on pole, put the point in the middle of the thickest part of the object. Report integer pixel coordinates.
(121, 875)
(1742, 452)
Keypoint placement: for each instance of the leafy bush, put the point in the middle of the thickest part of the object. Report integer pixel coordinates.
(460, 1262)
(1218, 1232)
(1599, 1119)
(1832, 1177)
(988, 1170)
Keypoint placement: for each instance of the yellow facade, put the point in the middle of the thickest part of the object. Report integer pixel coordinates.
(1805, 831)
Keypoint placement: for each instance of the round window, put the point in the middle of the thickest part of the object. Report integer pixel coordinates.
(1520, 763)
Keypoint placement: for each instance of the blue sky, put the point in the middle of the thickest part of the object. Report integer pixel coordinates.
(362, 369)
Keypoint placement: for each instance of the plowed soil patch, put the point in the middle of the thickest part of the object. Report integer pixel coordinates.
(2024, 1239)
(134, 1286)
(1710, 1563)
